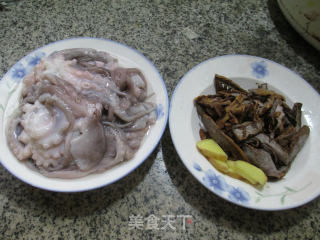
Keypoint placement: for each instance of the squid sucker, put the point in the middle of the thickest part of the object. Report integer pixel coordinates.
(79, 113)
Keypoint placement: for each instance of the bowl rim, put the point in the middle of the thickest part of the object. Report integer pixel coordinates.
(149, 152)
(189, 167)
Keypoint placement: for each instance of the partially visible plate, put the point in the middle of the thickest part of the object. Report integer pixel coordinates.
(304, 16)
(301, 184)
(10, 87)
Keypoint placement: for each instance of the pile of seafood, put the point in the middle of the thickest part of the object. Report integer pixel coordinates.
(79, 113)
(254, 125)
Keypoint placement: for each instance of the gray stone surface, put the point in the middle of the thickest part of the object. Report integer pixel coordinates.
(175, 36)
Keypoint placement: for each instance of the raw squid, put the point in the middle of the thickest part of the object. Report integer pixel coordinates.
(80, 112)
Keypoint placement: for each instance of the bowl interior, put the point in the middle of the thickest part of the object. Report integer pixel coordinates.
(299, 185)
(128, 57)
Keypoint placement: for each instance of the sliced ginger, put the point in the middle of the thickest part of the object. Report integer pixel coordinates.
(237, 169)
(251, 173)
(211, 149)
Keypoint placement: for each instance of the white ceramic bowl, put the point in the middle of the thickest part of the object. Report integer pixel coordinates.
(10, 87)
(301, 183)
(304, 16)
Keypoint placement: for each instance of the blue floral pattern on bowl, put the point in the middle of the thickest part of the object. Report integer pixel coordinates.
(18, 72)
(259, 69)
(197, 167)
(35, 58)
(21, 68)
(218, 184)
(159, 111)
(236, 194)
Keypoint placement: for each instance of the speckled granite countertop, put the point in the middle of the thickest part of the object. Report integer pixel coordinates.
(175, 36)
